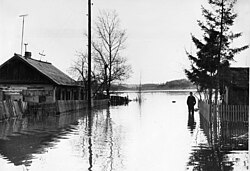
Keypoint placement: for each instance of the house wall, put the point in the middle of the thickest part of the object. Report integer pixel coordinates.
(238, 96)
(40, 93)
(67, 93)
(28, 93)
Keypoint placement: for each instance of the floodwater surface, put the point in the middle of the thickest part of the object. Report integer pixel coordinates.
(154, 134)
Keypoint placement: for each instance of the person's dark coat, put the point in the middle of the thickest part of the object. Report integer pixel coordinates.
(191, 101)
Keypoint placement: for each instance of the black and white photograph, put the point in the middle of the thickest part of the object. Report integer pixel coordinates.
(124, 85)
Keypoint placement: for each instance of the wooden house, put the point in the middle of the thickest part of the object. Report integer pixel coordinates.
(31, 80)
(237, 91)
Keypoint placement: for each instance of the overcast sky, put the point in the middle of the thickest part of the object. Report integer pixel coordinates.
(158, 32)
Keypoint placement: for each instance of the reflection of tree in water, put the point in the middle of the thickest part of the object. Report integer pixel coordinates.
(203, 158)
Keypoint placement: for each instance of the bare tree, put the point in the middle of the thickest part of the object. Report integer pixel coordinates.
(79, 71)
(108, 43)
(79, 68)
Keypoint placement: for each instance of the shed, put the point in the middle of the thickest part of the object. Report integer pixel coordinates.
(237, 91)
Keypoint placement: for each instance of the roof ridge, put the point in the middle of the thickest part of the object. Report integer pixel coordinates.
(39, 60)
(50, 71)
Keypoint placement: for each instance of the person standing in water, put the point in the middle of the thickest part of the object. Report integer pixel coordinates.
(191, 102)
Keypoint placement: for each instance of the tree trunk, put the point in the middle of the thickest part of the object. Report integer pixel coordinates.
(109, 83)
(217, 86)
(106, 80)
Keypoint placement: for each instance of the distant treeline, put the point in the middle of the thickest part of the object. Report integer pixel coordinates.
(170, 85)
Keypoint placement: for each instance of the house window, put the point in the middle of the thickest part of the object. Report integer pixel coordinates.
(58, 94)
(68, 95)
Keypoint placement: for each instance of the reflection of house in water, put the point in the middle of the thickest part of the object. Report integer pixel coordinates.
(20, 139)
(95, 137)
(35, 81)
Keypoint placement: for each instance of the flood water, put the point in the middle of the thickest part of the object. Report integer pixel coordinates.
(156, 134)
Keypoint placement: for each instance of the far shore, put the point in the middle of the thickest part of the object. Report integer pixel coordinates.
(158, 90)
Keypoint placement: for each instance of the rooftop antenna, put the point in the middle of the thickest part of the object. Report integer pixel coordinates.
(23, 16)
(41, 55)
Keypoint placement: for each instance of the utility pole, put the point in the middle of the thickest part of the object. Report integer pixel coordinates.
(89, 54)
(23, 16)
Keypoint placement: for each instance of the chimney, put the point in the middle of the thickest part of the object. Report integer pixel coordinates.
(27, 54)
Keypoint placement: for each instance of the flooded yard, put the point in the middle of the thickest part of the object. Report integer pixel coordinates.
(154, 134)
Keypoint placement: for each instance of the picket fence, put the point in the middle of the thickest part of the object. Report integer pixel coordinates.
(228, 113)
(234, 113)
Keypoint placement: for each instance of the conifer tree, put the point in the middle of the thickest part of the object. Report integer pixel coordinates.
(214, 52)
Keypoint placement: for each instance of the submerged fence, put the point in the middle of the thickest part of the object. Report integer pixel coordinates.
(225, 126)
(229, 113)
(12, 108)
(62, 106)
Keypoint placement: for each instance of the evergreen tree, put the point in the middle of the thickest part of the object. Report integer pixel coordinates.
(214, 52)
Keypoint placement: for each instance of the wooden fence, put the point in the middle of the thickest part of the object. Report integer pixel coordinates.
(63, 106)
(43, 108)
(233, 113)
(228, 113)
(12, 108)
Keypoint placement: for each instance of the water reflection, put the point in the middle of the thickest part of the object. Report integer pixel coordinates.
(191, 123)
(103, 145)
(21, 138)
(155, 134)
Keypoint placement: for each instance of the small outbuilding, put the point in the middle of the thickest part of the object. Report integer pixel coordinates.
(32, 80)
(237, 91)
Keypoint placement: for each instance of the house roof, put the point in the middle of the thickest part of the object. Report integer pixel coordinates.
(47, 69)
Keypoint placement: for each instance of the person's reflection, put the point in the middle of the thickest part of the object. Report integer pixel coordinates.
(191, 123)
